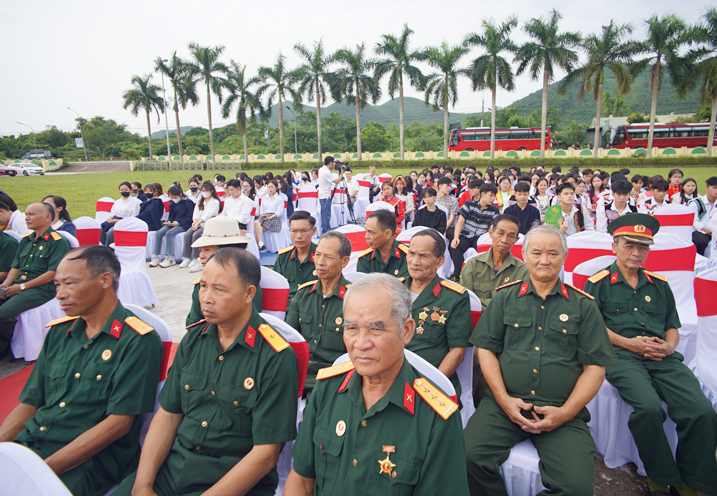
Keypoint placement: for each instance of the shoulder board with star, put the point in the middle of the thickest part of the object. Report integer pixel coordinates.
(365, 252)
(580, 291)
(339, 369)
(196, 323)
(138, 325)
(441, 404)
(509, 284)
(60, 321)
(656, 276)
(286, 250)
(599, 276)
(453, 286)
(302, 286)
(56, 236)
(196, 281)
(272, 337)
(403, 248)
(27, 235)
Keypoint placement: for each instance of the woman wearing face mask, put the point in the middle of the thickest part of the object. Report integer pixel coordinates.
(206, 208)
(62, 220)
(137, 191)
(126, 206)
(152, 210)
(180, 219)
(193, 192)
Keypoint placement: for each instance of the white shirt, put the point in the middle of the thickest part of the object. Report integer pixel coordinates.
(352, 186)
(710, 208)
(570, 220)
(193, 196)
(17, 223)
(650, 206)
(211, 209)
(325, 179)
(601, 216)
(262, 192)
(273, 205)
(126, 207)
(238, 208)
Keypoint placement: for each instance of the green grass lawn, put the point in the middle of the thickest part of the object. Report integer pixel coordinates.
(82, 190)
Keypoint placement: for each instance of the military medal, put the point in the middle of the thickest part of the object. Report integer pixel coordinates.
(340, 428)
(442, 318)
(338, 320)
(106, 355)
(422, 316)
(248, 383)
(419, 329)
(314, 272)
(435, 316)
(564, 317)
(648, 299)
(387, 465)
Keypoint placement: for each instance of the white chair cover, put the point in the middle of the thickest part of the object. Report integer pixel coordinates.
(362, 197)
(676, 219)
(585, 246)
(704, 364)
(135, 286)
(590, 268)
(24, 473)
(254, 213)
(465, 369)
(30, 329)
(405, 237)
(103, 208)
(87, 231)
(251, 247)
(385, 177)
(178, 246)
(283, 217)
(352, 276)
(379, 205)
(357, 237)
(275, 293)
(308, 200)
(16, 236)
(339, 208)
(69, 237)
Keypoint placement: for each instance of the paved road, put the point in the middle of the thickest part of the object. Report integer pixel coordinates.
(93, 167)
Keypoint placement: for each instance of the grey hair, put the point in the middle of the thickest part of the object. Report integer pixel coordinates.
(345, 248)
(546, 228)
(399, 294)
(98, 260)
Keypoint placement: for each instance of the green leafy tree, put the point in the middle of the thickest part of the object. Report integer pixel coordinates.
(278, 81)
(239, 94)
(399, 62)
(549, 51)
(614, 105)
(144, 96)
(491, 69)
(375, 137)
(707, 69)
(355, 82)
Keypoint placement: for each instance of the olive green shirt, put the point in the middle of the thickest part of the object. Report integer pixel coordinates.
(647, 310)
(231, 400)
(443, 321)
(321, 321)
(37, 255)
(77, 383)
(542, 345)
(295, 271)
(429, 452)
(8, 249)
(195, 311)
(371, 261)
(479, 275)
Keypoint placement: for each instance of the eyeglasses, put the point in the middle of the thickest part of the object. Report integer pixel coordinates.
(302, 232)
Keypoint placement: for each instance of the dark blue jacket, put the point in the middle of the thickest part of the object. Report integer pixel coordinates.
(141, 197)
(68, 227)
(151, 212)
(181, 212)
(290, 204)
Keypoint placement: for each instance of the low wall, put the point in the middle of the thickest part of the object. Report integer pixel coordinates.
(48, 164)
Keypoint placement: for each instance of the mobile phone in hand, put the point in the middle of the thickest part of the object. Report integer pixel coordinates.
(2, 293)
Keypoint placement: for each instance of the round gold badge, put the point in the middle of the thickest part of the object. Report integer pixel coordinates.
(314, 272)
(248, 383)
(506, 279)
(564, 317)
(395, 272)
(340, 428)
(339, 320)
(106, 355)
(648, 299)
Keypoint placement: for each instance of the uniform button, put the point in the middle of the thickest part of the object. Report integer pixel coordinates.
(62, 405)
(197, 448)
(564, 331)
(186, 386)
(204, 423)
(540, 328)
(99, 377)
(43, 428)
(214, 393)
(535, 371)
(235, 403)
(319, 325)
(77, 375)
(86, 346)
(323, 306)
(537, 348)
(354, 462)
(542, 307)
(321, 447)
(314, 341)
(636, 309)
(533, 393)
(517, 325)
(364, 423)
(221, 357)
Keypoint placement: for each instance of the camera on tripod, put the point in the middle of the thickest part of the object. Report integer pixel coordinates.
(343, 165)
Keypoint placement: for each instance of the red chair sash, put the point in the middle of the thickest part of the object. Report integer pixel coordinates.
(676, 220)
(88, 237)
(164, 365)
(166, 205)
(308, 194)
(576, 256)
(301, 349)
(103, 206)
(275, 299)
(705, 291)
(358, 240)
(670, 260)
(130, 238)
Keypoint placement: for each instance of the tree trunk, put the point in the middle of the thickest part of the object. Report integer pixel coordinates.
(149, 136)
(711, 137)
(445, 132)
(596, 146)
(492, 123)
(358, 123)
(400, 118)
(281, 128)
(653, 108)
(318, 119)
(544, 116)
(179, 131)
(209, 113)
(246, 156)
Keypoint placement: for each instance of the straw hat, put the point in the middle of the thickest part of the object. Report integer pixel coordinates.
(221, 231)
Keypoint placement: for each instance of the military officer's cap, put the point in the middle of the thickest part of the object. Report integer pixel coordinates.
(638, 228)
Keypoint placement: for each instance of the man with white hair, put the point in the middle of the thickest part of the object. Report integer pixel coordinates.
(543, 348)
(367, 412)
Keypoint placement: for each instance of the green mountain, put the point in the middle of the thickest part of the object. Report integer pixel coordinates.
(160, 134)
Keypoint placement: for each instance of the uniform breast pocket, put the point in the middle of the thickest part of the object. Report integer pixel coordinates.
(96, 382)
(431, 333)
(399, 481)
(562, 340)
(239, 404)
(616, 308)
(518, 332)
(306, 324)
(327, 446)
(333, 337)
(55, 375)
(193, 386)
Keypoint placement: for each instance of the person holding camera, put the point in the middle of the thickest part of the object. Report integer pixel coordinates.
(325, 181)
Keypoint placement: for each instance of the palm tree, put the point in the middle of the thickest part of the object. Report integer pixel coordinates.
(280, 83)
(239, 92)
(665, 38)
(355, 83)
(707, 69)
(549, 49)
(184, 86)
(314, 79)
(144, 95)
(605, 51)
(399, 62)
(492, 70)
(207, 67)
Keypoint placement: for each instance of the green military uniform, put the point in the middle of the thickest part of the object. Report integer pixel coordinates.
(77, 383)
(195, 311)
(35, 256)
(321, 321)
(231, 400)
(399, 446)
(649, 310)
(443, 320)
(294, 270)
(8, 248)
(480, 276)
(370, 261)
(541, 346)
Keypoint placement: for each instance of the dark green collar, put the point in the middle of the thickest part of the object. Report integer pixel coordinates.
(395, 394)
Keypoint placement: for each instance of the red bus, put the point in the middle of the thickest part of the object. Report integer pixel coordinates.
(665, 135)
(514, 138)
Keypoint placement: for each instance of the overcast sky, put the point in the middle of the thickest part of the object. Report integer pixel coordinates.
(82, 54)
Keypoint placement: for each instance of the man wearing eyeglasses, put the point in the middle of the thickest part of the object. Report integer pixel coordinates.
(296, 262)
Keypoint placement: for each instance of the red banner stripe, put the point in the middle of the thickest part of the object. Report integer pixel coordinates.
(308, 194)
(705, 291)
(358, 241)
(301, 349)
(130, 238)
(669, 260)
(475, 317)
(88, 237)
(364, 184)
(102, 206)
(576, 256)
(676, 220)
(166, 205)
(340, 191)
(164, 365)
(275, 299)
(579, 280)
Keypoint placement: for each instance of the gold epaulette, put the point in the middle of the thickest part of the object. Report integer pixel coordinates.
(56, 236)
(402, 279)
(509, 284)
(28, 234)
(339, 369)
(288, 248)
(301, 286)
(403, 248)
(441, 404)
(198, 322)
(196, 281)
(599, 276)
(273, 337)
(656, 276)
(138, 325)
(580, 291)
(453, 286)
(365, 252)
(60, 321)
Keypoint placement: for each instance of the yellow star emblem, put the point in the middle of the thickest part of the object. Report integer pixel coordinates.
(422, 316)
(386, 465)
(442, 319)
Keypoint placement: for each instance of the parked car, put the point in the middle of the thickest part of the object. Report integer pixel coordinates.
(7, 171)
(27, 169)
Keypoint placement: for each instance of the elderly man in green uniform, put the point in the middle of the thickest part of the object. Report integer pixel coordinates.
(385, 254)
(219, 232)
(8, 249)
(441, 309)
(229, 402)
(81, 409)
(543, 349)
(317, 309)
(29, 282)
(641, 318)
(296, 262)
(381, 427)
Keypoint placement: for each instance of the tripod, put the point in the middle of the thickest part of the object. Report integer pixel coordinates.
(345, 200)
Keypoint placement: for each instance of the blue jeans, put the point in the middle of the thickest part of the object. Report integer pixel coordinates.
(325, 215)
(169, 232)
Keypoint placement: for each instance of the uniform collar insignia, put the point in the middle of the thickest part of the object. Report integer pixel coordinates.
(523, 289)
(409, 398)
(564, 291)
(613, 278)
(313, 287)
(397, 253)
(293, 252)
(342, 291)
(116, 329)
(437, 289)
(373, 254)
(647, 276)
(347, 379)
(312, 256)
(46, 236)
(250, 336)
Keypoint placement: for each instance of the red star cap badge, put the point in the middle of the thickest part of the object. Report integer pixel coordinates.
(409, 396)
(250, 336)
(116, 329)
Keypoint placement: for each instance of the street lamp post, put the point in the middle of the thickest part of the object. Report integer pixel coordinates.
(82, 134)
(296, 145)
(166, 124)
(33, 133)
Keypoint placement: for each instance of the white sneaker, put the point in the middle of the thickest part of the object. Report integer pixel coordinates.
(197, 268)
(185, 263)
(167, 262)
(193, 263)
(155, 261)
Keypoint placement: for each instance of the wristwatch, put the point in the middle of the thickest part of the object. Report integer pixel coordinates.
(22, 287)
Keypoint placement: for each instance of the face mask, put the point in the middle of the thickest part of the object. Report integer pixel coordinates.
(175, 200)
(193, 190)
(148, 195)
(206, 194)
(124, 193)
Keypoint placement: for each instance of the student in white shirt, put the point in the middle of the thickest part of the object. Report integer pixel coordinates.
(703, 208)
(126, 206)
(236, 205)
(13, 219)
(659, 197)
(193, 192)
(617, 204)
(688, 192)
(326, 181)
(206, 208)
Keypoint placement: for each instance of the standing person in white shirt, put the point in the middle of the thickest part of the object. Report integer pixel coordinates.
(612, 205)
(575, 219)
(193, 192)
(703, 208)
(325, 183)
(236, 205)
(206, 208)
(126, 206)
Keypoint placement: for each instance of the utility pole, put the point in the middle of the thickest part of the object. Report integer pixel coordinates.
(33, 133)
(82, 133)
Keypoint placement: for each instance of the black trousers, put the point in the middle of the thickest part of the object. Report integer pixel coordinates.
(457, 253)
(701, 240)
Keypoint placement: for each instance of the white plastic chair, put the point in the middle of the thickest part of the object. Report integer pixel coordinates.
(385, 177)
(275, 293)
(24, 472)
(676, 219)
(103, 207)
(362, 197)
(357, 237)
(87, 231)
(30, 329)
(13, 235)
(69, 237)
(352, 276)
(704, 364)
(588, 269)
(135, 286)
(308, 201)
